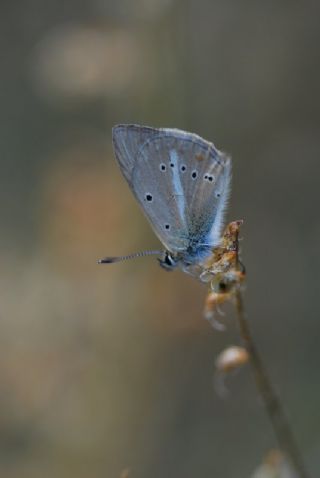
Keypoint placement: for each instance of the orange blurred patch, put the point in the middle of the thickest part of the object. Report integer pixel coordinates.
(84, 214)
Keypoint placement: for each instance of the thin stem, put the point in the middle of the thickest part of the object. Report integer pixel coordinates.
(271, 401)
(273, 406)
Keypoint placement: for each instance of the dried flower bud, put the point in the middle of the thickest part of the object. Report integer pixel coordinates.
(231, 358)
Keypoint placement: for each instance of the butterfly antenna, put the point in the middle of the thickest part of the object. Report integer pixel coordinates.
(111, 260)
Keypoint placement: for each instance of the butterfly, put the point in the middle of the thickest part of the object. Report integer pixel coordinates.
(182, 183)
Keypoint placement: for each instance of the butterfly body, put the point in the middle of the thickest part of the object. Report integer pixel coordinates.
(182, 183)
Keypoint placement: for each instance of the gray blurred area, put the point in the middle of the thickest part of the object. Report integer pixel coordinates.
(107, 371)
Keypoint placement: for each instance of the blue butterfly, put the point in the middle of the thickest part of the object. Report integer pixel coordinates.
(182, 183)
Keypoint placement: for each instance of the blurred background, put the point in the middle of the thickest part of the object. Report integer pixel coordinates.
(107, 371)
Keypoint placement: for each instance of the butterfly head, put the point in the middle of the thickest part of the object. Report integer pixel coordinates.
(191, 257)
(168, 261)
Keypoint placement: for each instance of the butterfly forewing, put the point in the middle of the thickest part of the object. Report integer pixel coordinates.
(179, 179)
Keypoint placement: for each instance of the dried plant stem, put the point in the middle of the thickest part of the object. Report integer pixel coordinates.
(271, 401)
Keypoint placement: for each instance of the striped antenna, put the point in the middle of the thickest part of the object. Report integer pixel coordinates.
(111, 260)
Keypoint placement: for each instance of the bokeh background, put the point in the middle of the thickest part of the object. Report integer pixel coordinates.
(108, 371)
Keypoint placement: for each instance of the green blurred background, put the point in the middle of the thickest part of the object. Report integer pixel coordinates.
(104, 369)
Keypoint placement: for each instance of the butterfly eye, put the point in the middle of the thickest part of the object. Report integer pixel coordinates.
(149, 197)
(162, 167)
(194, 174)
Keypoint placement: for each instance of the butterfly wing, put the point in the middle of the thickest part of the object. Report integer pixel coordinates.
(180, 180)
